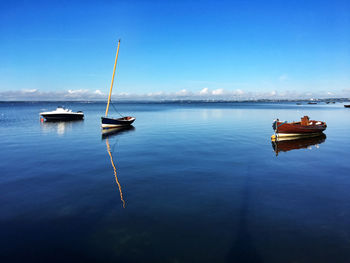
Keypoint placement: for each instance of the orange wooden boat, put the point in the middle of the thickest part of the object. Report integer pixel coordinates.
(305, 127)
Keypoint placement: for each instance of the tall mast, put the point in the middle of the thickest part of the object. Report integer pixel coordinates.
(110, 90)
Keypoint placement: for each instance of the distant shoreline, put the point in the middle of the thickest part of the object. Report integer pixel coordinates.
(336, 100)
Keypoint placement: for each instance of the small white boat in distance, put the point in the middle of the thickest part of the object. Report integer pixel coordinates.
(62, 114)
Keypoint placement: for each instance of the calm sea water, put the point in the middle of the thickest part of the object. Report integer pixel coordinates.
(193, 182)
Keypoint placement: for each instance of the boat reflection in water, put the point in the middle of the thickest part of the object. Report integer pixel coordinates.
(294, 143)
(60, 127)
(106, 135)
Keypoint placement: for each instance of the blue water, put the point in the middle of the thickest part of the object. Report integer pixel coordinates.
(195, 182)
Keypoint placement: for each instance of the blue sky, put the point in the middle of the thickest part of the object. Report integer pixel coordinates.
(175, 48)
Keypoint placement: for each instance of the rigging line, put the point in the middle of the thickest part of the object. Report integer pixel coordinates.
(116, 109)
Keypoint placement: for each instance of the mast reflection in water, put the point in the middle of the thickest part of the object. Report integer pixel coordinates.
(298, 143)
(106, 134)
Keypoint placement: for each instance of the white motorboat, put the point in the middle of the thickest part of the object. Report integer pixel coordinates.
(62, 114)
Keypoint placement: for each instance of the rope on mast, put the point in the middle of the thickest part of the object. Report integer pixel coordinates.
(116, 109)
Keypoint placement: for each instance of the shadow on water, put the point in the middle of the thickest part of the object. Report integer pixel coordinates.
(108, 134)
(299, 143)
(243, 249)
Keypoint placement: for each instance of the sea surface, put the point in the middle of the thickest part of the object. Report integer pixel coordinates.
(189, 182)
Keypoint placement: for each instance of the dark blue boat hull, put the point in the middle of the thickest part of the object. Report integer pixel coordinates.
(108, 123)
(62, 117)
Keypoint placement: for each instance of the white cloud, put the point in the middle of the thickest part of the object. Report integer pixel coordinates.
(183, 94)
(98, 92)
(204, 91)
(30, 90)
(238, 92)
(218, 92)
(151, 94)
(76, 91)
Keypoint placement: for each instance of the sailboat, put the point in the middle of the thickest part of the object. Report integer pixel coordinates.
(107, 122)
